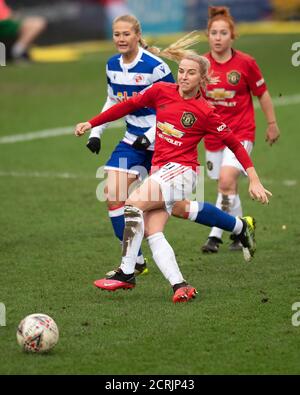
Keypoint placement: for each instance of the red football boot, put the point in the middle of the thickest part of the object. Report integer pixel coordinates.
(118, 280)
(184, 293)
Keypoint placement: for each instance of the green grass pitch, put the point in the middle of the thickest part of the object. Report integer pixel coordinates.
(56, 239)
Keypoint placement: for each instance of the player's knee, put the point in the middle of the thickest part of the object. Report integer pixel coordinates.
(180, 210)
(114, 196)
(176, 211)
(152, 229)
(113, 204)
(227, 185)
(147, 231)
(132, 202)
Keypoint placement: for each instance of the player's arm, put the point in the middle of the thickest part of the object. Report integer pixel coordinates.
(218, 128)
(160, 73)
(272, 132)
(256, 189)
(258, 88)
(146, 98)
(94, 140)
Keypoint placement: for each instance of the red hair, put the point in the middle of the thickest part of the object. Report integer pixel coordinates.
(221, 14)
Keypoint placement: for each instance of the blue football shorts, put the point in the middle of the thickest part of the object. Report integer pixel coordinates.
(128, 159)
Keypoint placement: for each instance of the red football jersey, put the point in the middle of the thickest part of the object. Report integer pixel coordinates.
(239, 77)
(180, 124)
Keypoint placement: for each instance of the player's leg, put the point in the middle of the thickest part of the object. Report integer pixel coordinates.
(164, 256)
(125, 166)
(159, 191)
(116, 191)
(145, 198)
(228, 198)
(207, 214)
(30, 29)
(213, 167)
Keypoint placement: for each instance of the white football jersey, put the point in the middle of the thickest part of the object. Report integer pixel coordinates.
(127, 80)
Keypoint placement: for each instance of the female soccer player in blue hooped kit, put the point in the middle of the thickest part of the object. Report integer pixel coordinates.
(134, 68)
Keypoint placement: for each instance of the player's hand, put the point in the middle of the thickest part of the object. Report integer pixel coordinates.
(94, 145)
(81, 128)
(258, 192)
(141, 143)
(272, 133)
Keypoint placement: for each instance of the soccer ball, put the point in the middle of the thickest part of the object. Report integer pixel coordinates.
(37, 333)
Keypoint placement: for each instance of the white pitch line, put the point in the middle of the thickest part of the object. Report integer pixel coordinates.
(282, 101)
(42, 134)
(38, 174)
(68, 130)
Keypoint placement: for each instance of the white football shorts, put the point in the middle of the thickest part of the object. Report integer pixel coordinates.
(225, 157)
(176, 181)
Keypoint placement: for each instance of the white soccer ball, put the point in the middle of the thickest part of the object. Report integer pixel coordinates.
(37, 333)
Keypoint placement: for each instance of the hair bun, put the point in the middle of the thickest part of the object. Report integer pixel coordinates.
(215, 11)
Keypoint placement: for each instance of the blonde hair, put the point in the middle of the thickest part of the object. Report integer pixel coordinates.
(174, 52)
(206, 75)
(221, 14)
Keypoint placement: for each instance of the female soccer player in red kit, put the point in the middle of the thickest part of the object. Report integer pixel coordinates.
(183, 117)
(239, 79)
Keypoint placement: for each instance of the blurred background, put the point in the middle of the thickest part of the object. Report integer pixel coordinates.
(70, 20)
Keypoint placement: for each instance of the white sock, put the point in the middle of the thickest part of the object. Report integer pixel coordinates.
(164, 257)
(140, 259)
(238, 226)
(235, 207)
(231, 204)
(133, 237)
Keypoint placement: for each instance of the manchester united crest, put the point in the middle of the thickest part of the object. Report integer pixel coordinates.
(188, 119)
(233, 77)
(209, 165)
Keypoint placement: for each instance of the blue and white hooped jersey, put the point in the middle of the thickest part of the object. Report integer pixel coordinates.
(127, 80)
